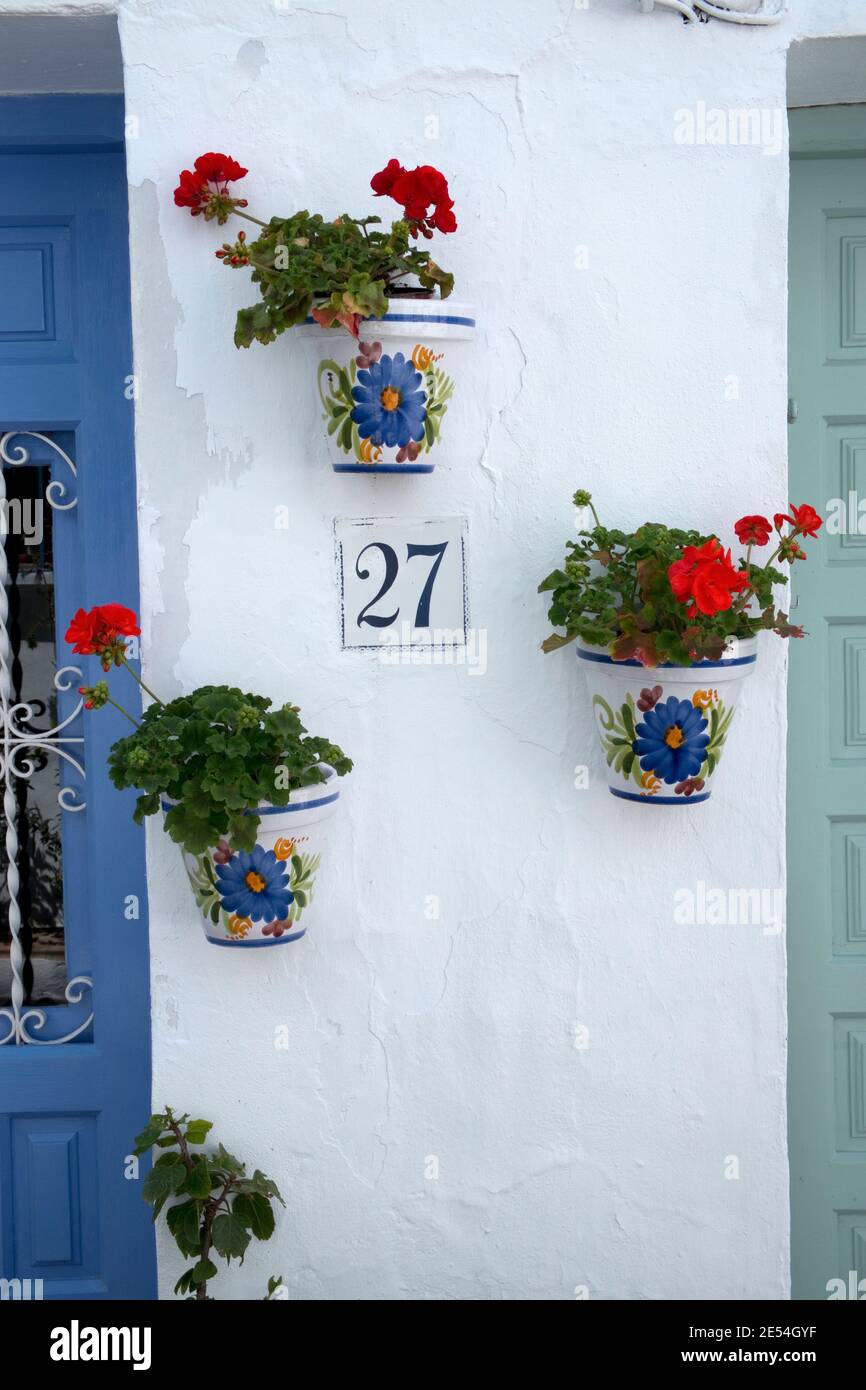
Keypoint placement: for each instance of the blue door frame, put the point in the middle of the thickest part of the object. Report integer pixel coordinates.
(71, 1213)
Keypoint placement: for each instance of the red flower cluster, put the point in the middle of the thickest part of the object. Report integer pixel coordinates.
(706, 578)
(209, 178)
(99, 631)
(756, 530)
(417, 190)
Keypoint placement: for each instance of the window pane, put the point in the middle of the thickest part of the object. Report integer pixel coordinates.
(30, 595)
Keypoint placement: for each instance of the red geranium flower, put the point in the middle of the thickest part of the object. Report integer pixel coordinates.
(443, 218)
(753, 530)
(706, 575)
(117, 620)
(805, 520)
(681, 571)
(99, 630)
(81, 632)
(207, 180)
(418, 190)
(219, 168)
(192, 191)
(384, 181)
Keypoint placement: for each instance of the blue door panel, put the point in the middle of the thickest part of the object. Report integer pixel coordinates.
(71, 1212)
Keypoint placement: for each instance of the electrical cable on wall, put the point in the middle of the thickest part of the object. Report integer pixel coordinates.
(735, 12)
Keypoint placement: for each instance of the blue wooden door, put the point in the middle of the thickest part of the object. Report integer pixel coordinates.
(827, 708)
(74, 985)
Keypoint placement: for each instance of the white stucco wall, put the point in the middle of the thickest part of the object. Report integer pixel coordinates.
(559, 1166)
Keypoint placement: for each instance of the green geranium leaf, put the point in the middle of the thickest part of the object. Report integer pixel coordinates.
(149, 1136)
(227, 1161)
(184, 1222)
(230, 1236)
(162, 1181)
(198, 1180)
(217, 753)
(204, 1270)
(254, 1210)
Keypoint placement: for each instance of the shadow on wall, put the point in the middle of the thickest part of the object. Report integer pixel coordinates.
(43, 54)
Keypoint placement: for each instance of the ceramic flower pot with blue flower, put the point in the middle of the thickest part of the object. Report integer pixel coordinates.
(385, 396)
(663, 728)
(265, 896)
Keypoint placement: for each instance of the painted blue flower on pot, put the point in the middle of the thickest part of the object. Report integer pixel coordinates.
(672, 740)
(255, 885)
(390, 407)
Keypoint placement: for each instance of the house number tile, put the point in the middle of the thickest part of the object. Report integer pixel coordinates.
(402, 583)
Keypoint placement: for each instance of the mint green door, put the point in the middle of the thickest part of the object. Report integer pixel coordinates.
(827, 704)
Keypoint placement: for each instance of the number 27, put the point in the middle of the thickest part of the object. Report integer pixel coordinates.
(392, 567)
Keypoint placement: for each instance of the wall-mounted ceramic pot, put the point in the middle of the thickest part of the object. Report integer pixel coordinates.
(264, 897)
(385, 396)
(663, 728)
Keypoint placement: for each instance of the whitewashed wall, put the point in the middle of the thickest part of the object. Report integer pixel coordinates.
(560, 1166)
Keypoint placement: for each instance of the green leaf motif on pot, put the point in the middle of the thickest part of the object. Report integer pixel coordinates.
(719, 723)
(301, 882)
(617, 733)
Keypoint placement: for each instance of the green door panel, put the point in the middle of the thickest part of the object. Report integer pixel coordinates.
(827, 707)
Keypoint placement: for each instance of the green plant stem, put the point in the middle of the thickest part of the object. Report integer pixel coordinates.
(211, 1206)
(248, 217)
(135, 677)
(745, 598)
(123, 711)
(180, 1137)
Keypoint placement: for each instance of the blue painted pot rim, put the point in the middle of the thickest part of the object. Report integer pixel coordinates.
(383, 467)
(660, 800)
(415, 318)
(406, 315)
(605, 659)
(270, 810)
(308, 798)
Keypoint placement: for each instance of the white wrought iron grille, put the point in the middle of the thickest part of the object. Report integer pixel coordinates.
(23, 744)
